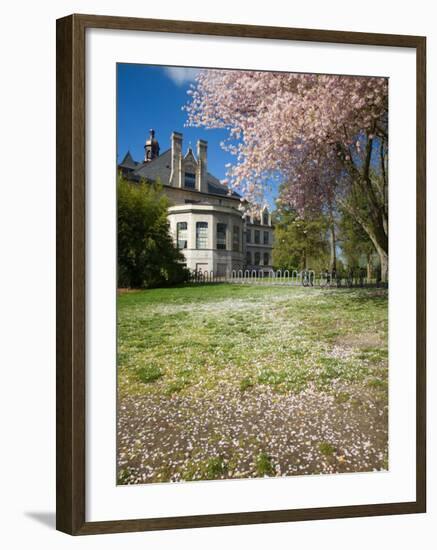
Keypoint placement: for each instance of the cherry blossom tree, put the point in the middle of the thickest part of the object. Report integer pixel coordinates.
(324, 137)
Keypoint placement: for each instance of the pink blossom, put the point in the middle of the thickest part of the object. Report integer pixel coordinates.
(300, 126)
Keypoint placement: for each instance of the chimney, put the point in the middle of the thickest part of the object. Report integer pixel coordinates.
(176, 160)
(201, 180)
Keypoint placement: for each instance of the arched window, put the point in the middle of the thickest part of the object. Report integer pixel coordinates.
(257, 258)
(266, 217)
(182, 234)
(248, 258)
(201, 234)
(266, 258)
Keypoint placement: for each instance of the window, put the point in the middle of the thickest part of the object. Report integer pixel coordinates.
(182, 234)
(248, 258)
(265, 217)
(248, 235)
(257, 258)
(221, 236)
(236, 238)
(266, 258)
(190, 180)
(266, 237)
(257, 236)
(201, 234)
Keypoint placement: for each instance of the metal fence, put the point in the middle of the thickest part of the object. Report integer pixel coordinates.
(306, 278)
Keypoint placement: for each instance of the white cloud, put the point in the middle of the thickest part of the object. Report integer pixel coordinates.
(181, 75)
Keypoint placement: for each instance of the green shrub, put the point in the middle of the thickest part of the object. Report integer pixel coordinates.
(146, 254)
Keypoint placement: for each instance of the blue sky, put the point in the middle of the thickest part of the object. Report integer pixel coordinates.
(152, 97)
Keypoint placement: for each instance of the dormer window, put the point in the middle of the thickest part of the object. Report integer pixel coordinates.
(265, 217)
(190, 180)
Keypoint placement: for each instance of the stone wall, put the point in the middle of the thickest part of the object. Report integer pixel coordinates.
(209, 258)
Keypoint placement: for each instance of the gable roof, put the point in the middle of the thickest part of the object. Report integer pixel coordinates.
(128, 162)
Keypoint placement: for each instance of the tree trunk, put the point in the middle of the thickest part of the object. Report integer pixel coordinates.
(374, 219)
(305, 259)
(333, 252)
(369, 267)
(377, 235)
(383, 258)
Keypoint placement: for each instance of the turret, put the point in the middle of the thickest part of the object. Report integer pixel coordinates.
(151, 147)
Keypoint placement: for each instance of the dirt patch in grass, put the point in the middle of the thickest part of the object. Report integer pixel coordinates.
(361, 340)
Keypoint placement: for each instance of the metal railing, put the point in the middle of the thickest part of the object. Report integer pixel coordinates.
(305, 278)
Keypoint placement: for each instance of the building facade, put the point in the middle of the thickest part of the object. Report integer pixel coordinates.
(206, 218)
(259, 240)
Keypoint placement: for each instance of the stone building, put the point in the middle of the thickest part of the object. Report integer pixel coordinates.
(259, 240)
(205, 217)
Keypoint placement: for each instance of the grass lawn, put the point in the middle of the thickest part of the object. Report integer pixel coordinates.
(227, 381)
